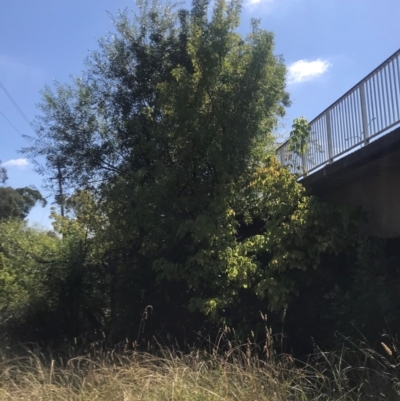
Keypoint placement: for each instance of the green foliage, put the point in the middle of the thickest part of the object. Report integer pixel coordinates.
(51, 287)
(3, 174)
(368, 300)
(300, 136)
(24, 252)
(254, 239)
(17, 203)
(162, 99)
(167, 140)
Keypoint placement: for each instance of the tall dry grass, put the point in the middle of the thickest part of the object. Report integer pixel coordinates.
(237, 374)
(225, 371)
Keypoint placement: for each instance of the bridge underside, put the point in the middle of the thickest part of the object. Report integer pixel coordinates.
(368, 177)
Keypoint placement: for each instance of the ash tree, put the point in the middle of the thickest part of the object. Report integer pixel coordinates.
(170, 127)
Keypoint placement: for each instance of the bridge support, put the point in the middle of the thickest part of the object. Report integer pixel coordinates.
(368, 177)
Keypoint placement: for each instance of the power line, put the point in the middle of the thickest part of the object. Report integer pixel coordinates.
(15, 104)
(16, 129)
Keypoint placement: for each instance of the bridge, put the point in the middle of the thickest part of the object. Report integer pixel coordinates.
(353, 152)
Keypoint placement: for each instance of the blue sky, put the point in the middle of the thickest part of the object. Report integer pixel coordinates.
(328, 46)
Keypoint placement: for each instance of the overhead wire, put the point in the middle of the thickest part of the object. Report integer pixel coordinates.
(15, 105)
(16, 129)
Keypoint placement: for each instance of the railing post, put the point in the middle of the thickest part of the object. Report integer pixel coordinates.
(282, 155)
(364, 114)
(376, 91)
(329, 136)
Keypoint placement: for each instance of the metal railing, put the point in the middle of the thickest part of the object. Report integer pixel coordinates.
(367, 110)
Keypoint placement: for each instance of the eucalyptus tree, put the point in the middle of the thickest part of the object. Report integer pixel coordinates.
(18, 202)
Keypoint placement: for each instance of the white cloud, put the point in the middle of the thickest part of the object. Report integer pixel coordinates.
(19, 163)
(304, 70)
(255, 3)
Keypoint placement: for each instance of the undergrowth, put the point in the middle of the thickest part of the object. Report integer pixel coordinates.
(229, 372)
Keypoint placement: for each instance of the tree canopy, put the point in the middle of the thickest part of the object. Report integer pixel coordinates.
(3, 174)
(167, 142)
(17, 203)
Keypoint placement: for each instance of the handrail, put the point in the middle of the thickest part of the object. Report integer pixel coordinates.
(368, 109)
